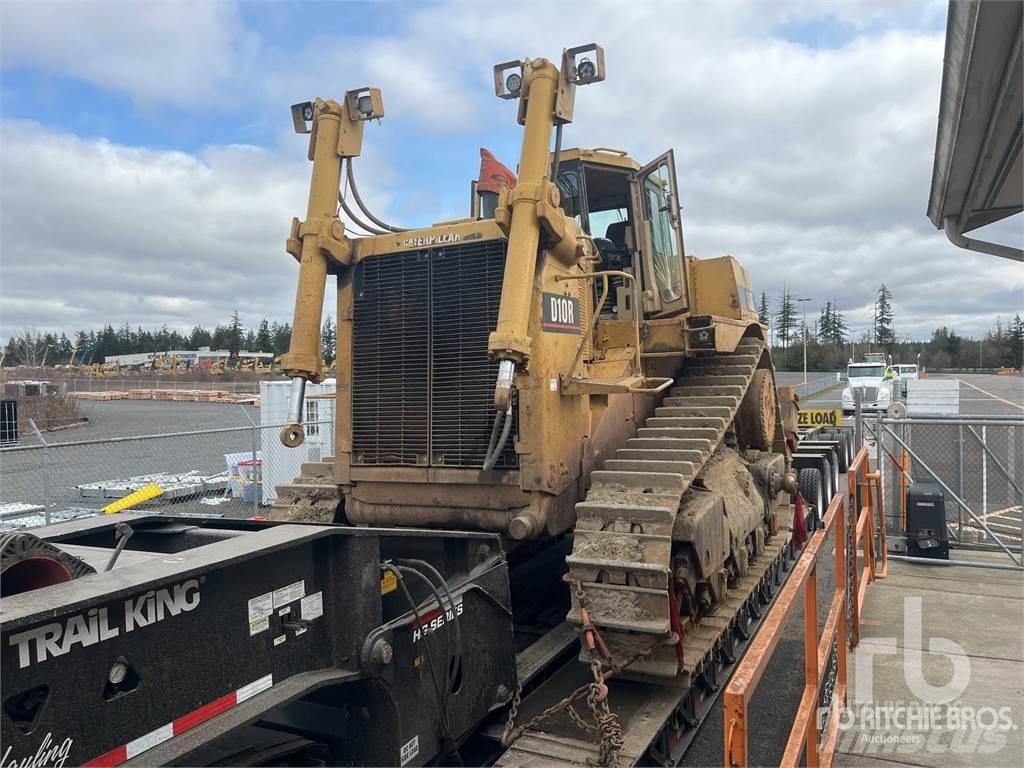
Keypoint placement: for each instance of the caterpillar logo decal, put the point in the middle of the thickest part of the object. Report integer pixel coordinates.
(561, 313)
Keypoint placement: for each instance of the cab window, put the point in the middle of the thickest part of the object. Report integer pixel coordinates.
(664, 253)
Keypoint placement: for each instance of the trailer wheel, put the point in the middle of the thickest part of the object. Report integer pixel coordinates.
(831, 487)
(810, 482)
(845, 437)
(851, 447)
(842, 449)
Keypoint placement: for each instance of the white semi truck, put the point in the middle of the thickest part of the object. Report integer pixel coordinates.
(870, 379)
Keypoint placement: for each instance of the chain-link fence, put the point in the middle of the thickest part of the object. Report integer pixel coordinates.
(975, 463)
(227, 472)
(100, 384)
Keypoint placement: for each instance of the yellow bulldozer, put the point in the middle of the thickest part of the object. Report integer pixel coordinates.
(554, 364)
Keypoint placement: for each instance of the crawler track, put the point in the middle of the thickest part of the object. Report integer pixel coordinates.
(622, 553)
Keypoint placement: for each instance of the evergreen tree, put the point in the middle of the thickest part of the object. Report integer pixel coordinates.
(235, 333)
(1015, 341)
(264, 341)
(328, 337)
(282, 335)
(824, 330)
(61, 352)
(200, 337)
(885, 336)
(786, 320)
(837, 326)
(763, 315)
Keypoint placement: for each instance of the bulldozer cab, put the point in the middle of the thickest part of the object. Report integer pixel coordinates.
(632, 214)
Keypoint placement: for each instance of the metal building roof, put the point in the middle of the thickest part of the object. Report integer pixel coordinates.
(978, 177)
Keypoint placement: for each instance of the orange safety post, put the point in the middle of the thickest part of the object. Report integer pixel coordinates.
(802, 581)
(815, 734)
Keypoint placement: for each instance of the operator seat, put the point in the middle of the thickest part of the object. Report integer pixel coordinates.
(616, 232)
(613, 246)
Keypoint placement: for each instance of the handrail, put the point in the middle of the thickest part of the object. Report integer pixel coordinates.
(864, 488)
(637, 368)
(815, 729)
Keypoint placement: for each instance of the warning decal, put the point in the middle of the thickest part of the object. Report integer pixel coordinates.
(289, 594)
(260, 608)
(410, 749)
(312, 606)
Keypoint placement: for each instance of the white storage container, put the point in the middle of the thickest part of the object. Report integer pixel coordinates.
(281, 465)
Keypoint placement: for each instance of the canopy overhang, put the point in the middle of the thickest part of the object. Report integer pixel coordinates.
(978, 177)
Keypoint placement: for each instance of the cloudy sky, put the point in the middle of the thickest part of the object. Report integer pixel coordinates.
(149, 171)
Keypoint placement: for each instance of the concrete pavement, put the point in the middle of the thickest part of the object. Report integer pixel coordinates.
(938, 679)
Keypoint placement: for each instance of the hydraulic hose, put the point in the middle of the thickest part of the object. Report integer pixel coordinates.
(356, 220)
(496, 446)
(362, 206)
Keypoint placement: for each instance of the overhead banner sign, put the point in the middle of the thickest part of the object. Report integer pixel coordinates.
(820, 417)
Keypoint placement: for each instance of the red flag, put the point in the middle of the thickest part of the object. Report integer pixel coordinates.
(493, 174)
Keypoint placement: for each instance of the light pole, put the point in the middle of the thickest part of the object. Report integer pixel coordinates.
(803, 301)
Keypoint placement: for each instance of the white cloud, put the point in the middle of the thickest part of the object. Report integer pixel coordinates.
(93, 233)
(181, 52)
(106, 233)
(810, 165)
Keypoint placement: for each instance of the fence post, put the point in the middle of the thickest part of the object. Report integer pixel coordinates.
(984, 473)
(46, 466)
(858, 423)
(257, 489)
(879, 460)
(960, 475)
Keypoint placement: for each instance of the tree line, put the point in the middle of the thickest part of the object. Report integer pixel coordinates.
(831, 343)
(31, 347)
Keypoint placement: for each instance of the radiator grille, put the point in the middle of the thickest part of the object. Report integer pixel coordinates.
(465, 293)
(422, 382)
(390, 360)
(868, 394)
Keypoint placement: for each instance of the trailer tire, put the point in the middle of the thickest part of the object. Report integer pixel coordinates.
(810, 482)
(851, 449)
(842, 449)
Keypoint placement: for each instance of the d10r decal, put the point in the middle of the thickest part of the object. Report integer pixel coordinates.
(561, 313)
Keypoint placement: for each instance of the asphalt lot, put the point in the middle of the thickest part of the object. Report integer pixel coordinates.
(49, 477)
(981, 394)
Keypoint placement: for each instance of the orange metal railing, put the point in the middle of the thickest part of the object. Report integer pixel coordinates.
(870, 562)
(815, 729)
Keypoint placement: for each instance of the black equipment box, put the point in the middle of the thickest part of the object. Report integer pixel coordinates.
(926, 521)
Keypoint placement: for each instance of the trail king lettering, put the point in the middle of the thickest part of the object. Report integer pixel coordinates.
(93, 626)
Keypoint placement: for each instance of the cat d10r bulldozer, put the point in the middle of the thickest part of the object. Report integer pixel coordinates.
(557, 364)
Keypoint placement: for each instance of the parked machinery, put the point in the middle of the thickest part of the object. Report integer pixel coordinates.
(560, 366)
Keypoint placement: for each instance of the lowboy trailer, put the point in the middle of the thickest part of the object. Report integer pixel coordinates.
(237, 642)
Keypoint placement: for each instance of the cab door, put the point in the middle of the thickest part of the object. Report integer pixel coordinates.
(660, 237)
